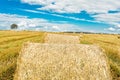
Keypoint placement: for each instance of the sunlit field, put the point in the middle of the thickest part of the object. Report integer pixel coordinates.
(111, 46)
(10, 45)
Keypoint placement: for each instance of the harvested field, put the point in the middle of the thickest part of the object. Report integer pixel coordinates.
(50, 61)
(10, 45)
(111, 46)
(57, 38)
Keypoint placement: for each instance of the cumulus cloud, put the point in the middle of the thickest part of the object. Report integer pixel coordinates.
(76, 6)
(25, 23)
(22, 21)
(111, 29)
(99, 8)
(56, 27)
(111, 19)
(115, 17)
(118, 26)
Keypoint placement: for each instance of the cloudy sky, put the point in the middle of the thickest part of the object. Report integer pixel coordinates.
(61, 15)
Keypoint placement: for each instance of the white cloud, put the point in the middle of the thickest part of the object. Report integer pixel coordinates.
(107, 17)
(56, 27)
(118, 26)
(25, 23)
(22, 21)
(111, 29)
(112, 19)
(76, 6)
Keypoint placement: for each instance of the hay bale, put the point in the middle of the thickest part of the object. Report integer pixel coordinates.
(62, 62)
(57, 38)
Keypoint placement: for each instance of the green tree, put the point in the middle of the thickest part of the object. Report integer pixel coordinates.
(14, 26)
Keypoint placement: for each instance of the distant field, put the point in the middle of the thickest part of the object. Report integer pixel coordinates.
(11, 43)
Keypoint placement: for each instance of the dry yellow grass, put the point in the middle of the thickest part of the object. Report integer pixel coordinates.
(62, 62)
(111, 45)
(10, 45)
(57, 38)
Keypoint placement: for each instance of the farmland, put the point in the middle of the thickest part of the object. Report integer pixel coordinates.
(12, 41)
(61, 57)
(111, 46)
(10, 45)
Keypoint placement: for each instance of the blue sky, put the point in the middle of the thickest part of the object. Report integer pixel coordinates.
(65, 15)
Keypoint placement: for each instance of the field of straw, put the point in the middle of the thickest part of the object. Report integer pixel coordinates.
(53, 38)
(55, 61)
(111, 46)
(12, 41)
(10, 46)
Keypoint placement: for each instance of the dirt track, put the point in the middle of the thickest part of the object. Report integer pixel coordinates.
(62, 62)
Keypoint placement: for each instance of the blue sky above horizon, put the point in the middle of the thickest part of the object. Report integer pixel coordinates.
(65, 15)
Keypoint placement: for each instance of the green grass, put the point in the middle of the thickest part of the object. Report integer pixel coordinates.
(10, 45)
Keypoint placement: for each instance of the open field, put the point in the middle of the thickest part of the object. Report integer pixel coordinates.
(11, 42)
(62, 39)
(10, 45)
(61, 57)
(111, 46)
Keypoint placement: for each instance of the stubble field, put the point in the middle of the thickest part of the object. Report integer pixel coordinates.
(12, 41)
(10, 45)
